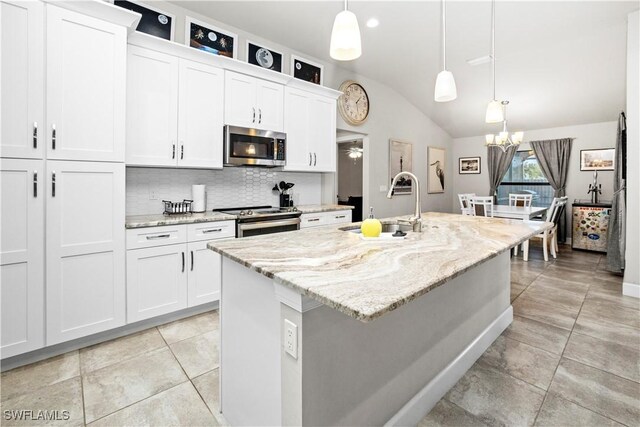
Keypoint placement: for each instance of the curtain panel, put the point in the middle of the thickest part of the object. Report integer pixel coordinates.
(553, 157)
(616, 234)
(499, 163)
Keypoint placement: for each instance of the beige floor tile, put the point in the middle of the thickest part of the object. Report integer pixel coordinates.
(199, 354)
(542, 312)
(554, 297)
(522, 361)
(112, 388)
(537, 334)
(618, 359)
(118, 350)
(178, 406)
(580, 264)
(607, 277)
(608, 331)
(570, 274)
(208, 385)
(523, 277)
(447, 414)
(190, 327)
(516, 289)
(609, 395)
(495, 397)
(62, 402)
(612, 293)
(37, 375)
(559, 284)
(610, 312)
(557, 411)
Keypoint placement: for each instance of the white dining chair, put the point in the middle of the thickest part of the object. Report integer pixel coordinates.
(465, 208)
(549, 237)
(520, 200)
(481, 206)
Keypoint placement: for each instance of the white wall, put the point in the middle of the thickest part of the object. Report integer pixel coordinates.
(595, 135)
(391, 116)
(632, 271)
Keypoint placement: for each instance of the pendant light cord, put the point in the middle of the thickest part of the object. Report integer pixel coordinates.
(345, 4)
(444, 35)
(493, 45)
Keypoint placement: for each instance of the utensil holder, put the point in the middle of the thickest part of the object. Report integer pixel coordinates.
(178, 208)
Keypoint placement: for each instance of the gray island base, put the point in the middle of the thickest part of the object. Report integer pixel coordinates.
(382, 329)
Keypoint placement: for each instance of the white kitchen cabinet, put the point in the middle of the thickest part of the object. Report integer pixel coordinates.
(85, 248)
(310, 125)
(85, 87)
(205, 274)
(318, 219)
(253, 103)
(174, 111)
(156, 281)
(22, 73)
(22, 256)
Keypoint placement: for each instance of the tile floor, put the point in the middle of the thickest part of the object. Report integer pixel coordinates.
(570, 357)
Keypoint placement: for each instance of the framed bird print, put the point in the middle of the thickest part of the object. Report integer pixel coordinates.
(208, 38)
(400, 160)
(436, 170)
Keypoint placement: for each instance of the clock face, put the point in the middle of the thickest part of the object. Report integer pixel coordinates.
(353, 103)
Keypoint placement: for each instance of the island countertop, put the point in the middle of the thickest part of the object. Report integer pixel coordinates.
(367, 278)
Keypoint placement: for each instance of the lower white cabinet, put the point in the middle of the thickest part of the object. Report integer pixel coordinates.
(170, 268)
(85, 248)
(325, 218)
(21, 256)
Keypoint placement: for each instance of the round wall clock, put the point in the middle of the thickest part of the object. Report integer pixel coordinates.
(353, 104)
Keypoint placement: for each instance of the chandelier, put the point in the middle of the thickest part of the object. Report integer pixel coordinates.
(503, 140)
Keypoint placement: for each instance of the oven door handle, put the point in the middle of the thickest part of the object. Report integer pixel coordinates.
(268, 224)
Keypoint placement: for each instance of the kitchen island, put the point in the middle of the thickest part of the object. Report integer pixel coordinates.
(323, 327)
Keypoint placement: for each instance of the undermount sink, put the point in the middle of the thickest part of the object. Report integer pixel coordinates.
(387, 228)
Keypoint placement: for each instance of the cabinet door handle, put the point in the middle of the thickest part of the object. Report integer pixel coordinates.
(53, 136)
(259, 115)
(53, 184)
(211, 230)
(253, 120)
(181, 151)
(158, 236)
(310, 159)
(314, 159)
(191, 260)
(183, 262)
(35, 183)
(173, 152)
(35, 134)
(313, 219)
(340, 216)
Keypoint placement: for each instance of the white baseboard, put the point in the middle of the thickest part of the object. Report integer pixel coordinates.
(420, 405)
(631, 289)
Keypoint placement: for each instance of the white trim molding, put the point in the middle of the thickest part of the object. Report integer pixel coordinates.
(631, 289)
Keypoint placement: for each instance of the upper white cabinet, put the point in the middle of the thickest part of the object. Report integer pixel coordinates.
(85, 90)
(253, 103)
(85, 248)
(22, 256)
(174, 111)
(22, 73)
(310, 125)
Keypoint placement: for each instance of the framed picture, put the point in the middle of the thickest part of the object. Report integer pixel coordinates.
(436, 171)
(468, 165)
(264, 57)
(400, 160)
(601, 159)
(154, 21)
(306, 70)
(210, 38)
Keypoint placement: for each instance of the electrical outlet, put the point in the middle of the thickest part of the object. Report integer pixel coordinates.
(153, 195)
(291, 338)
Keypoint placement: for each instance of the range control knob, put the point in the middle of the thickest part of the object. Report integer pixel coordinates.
(249, 212)
(242, 213)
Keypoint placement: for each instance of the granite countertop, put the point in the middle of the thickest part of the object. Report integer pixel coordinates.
(140, 221)
(366, 279)
(305, 209)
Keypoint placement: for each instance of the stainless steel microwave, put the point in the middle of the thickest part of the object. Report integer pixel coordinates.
(254, 147)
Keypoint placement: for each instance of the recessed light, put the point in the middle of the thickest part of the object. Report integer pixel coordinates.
(372, 23)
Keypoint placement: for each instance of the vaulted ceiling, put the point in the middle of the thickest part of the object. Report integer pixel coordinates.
(558, 63)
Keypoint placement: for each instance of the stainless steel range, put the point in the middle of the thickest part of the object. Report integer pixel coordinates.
(256, 220)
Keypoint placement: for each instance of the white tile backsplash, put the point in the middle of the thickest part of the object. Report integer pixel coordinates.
(229, 187)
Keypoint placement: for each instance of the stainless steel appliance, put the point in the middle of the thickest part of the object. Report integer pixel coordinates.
(254, 147)
(257, 220)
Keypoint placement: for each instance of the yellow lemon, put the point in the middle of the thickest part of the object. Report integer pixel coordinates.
(371, 227)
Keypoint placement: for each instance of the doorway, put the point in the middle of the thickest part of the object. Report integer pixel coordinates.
(349, 175)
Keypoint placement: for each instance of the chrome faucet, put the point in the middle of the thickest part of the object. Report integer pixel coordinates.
(416, 219)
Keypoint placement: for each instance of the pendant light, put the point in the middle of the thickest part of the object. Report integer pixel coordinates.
(495, 112)
(345, 36)
(445, 83)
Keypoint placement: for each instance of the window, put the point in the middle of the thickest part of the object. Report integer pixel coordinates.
(525, 177)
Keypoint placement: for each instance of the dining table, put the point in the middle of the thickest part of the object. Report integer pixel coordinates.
(518, 212)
